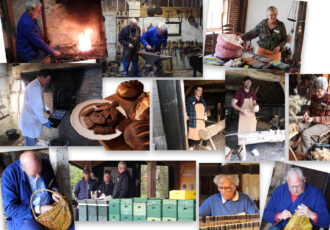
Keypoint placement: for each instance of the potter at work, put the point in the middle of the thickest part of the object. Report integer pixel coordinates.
(33, 115)
(296, 201)
(245, 102)
(19, 181)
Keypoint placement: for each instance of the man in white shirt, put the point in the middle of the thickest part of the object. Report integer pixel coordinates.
(32, 116)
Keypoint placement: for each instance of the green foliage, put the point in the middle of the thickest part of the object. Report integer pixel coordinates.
(161, 182)
(75, 176)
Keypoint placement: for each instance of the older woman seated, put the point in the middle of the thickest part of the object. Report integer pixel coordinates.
(229, 201)
(272, 35)
(317, 117)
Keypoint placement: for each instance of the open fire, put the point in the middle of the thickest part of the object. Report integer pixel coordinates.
(85, 42)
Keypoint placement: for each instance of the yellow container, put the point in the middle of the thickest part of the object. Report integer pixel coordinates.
(183, 195)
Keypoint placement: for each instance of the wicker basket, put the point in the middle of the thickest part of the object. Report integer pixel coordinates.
(227, 49)
(58, 218)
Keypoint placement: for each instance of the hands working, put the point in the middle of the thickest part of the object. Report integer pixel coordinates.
(48, 124)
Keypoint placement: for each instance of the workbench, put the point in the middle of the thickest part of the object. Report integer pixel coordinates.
(249, 138)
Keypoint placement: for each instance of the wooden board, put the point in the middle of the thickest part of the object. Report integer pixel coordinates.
(173, 12)
(261, 137)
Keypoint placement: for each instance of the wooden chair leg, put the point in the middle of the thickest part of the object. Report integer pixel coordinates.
(213, 145)
(239, 152)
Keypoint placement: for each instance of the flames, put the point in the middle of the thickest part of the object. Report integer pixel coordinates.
(85, 41)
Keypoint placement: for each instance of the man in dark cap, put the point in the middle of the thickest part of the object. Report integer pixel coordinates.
(84, 187)
(245, 102)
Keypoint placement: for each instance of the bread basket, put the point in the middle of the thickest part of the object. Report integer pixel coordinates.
(60, 217)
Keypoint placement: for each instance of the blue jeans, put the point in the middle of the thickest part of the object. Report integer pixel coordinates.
(31, 224)
(28, 141)
(135, 68)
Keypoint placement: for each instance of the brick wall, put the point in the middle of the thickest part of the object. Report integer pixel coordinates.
(234, 13)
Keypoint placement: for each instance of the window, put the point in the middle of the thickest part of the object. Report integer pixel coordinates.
(217, 12)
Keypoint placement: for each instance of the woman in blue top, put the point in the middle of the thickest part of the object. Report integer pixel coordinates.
(196, 116)
(229, 201)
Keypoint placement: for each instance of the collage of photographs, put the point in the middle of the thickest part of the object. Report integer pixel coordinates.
(158, 114)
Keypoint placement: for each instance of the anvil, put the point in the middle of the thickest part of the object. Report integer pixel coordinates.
(152, 58)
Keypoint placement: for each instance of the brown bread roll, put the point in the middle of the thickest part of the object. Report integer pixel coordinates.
(139, 110)
(130, 89)
(136, 135)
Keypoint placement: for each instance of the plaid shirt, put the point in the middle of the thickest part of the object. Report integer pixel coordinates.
(320, 109)
(190, 109)
(240, 95)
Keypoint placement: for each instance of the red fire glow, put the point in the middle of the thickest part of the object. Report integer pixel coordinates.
(85, 41)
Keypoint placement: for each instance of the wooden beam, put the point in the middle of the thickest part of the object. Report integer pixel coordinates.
(212, 130)
(151, 179)
(257, 75)
(203, 82)
(300, 29)
(261, 137)
(12, 27)
(58, 157)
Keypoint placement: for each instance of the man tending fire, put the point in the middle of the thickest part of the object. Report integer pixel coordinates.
(30, 46)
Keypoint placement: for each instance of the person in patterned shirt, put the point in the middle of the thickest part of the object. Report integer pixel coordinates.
(272, 35)
(317, 117)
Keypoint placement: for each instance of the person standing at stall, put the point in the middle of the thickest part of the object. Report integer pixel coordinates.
(84, 187)
(272, 35)
(33, 116)
(124, 187)
(196, 115)
(30, 47)
(106, 187)
(129, 37)
(245, 102)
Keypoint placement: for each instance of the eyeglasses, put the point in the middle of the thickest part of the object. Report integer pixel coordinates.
(225, 188)
(295, 186)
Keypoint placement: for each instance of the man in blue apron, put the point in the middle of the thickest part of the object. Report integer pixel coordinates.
(129, 37)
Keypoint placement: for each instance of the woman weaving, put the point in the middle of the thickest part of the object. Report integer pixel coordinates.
(272, 36)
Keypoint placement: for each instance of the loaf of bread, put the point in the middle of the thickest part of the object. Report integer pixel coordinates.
(139, 110)
(136, 135)
(130, 89)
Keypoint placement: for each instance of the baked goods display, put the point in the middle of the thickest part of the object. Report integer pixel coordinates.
(120, 121)
(98, 119)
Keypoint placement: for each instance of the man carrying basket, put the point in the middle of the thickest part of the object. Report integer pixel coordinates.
(22, 180)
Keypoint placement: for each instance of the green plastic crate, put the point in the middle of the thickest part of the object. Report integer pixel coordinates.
(186, 209)
(169, 219)
(126, 207)
(140, 207)
(92, 210)
(170, 208)
(140, 218)
(186, 219)
(126, 218)
(114, 207)
(102, 210)
(154, 208)
(154, 219)
(83, 213)
(114, 217)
